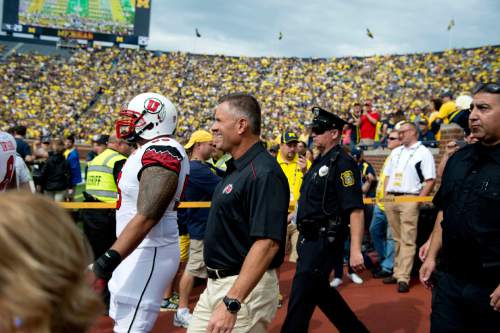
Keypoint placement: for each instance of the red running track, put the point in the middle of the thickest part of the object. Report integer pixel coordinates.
(379, 306)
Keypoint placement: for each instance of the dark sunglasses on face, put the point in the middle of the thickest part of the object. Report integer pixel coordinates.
(393, 138)
(490, 87)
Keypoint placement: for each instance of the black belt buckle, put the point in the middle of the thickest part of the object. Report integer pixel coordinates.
(215, 274)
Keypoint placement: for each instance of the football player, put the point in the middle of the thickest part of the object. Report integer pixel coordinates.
(145, 256)
(7, 160)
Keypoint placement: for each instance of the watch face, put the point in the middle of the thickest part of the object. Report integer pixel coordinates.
(234, 306)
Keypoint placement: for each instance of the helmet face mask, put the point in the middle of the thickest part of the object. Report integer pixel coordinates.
(146, 116)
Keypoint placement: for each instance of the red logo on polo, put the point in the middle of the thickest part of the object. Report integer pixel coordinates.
(227, 189)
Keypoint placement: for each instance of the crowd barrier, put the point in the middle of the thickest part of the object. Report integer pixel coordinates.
(206, 204)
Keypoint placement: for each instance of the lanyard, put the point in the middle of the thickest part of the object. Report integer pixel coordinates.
(409, 158)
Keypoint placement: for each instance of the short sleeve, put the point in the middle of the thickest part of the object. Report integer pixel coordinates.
(268, 213)
(167, 157)
(348, 185)
(428, 165)
(388, 164)
(371, 170)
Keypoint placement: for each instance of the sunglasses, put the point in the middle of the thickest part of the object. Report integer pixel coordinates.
(490, 87)
(392, 138)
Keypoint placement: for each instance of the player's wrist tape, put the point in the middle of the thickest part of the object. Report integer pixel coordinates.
(106, 264)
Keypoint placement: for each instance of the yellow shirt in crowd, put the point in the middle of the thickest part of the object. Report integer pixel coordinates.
(293, 174)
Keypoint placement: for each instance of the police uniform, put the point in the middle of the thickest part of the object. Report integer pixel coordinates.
(243, 211)
(330, 191)
(469, 197)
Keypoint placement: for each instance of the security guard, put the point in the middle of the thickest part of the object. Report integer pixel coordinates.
(100, 186)
(330, 199)
(467, 229)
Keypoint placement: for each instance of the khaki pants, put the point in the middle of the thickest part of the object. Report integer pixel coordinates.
(196, 265)
(403, 219)
(256, 311)
(292, 236)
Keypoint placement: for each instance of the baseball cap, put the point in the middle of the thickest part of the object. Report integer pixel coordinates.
(101, 139)
(356, 152)
(197, 137)
(289, 136)
(463, 102)
(446, 93)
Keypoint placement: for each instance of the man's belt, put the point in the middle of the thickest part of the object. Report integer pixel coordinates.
(401, 193)
(215, 274)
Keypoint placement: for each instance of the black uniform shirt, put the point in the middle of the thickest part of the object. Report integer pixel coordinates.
(341, 181)
(250, 202)
(470, 199)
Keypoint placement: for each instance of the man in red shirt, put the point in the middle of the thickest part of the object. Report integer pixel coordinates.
(369, 119)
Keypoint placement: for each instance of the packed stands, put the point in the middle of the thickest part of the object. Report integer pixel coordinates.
(83, 92)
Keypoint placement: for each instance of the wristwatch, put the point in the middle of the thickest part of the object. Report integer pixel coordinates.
(232, 304)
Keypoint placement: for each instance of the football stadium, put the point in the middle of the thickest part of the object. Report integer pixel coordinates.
(160, 172)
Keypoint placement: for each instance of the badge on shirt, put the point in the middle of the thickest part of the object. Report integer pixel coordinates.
(227, 189)
(398, 179)
(347, 178)
(323, 171)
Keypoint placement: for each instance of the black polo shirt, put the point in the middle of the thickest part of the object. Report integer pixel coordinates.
(469, 197)
(330, 186)
(250, 202)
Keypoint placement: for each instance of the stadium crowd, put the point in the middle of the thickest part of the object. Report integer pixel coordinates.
(82, 93)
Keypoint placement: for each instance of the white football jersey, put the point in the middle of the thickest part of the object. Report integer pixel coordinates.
(164, 152)
(7, 159)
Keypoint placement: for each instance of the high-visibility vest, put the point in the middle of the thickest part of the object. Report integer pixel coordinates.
(100, 182)
(221, 162)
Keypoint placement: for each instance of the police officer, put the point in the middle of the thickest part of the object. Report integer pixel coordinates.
(330, 199)
(100, 186)
(467, 229)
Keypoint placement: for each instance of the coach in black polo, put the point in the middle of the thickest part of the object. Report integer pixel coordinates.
(246, 228)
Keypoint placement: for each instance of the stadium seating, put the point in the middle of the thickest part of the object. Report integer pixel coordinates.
(54, 92)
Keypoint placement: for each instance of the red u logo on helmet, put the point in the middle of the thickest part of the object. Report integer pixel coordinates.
(153, 105)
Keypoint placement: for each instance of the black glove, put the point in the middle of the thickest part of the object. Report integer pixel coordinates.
(105, 265)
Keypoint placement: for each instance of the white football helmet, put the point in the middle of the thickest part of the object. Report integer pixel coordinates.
(147, 116)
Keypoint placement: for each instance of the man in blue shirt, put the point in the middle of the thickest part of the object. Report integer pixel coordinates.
(73, 159)
(427, 138)
(201, 186)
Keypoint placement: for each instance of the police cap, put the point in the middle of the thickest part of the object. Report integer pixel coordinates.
(324, 121)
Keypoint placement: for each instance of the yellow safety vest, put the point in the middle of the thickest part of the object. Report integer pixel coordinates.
(379, 194)
(221, 162)
(100, 182)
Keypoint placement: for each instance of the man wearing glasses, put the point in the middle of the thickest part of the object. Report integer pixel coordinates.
(379, 228)
(467, 233)
(330, 199)
(411, 171)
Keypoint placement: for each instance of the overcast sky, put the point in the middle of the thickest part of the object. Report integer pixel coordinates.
(321, 28)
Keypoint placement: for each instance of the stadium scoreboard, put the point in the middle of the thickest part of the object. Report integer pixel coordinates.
(117, 21)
